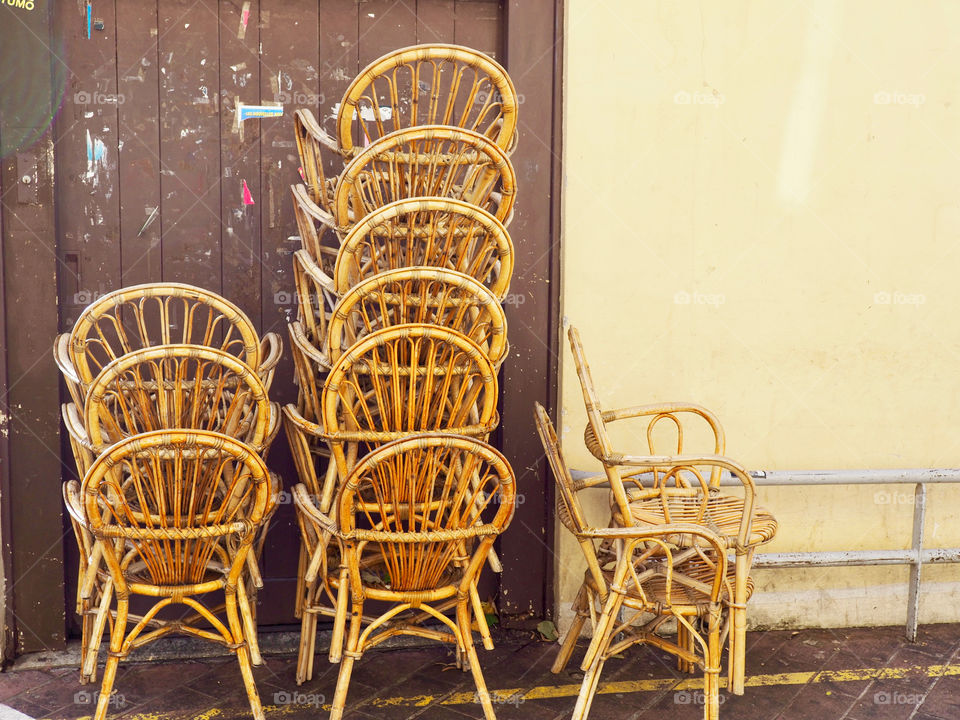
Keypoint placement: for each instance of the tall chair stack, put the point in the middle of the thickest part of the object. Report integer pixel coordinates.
(404, 264)
(170, 425)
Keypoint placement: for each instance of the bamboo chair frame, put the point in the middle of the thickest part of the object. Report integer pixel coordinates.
(176, 514)
(436, 84)
(310, 365)
(424, 161)
(122, 321)
(432, 231)
(401, 380)
(684, 488)
(163, 388)
(419, 504)
(420, 295)
(616, 579)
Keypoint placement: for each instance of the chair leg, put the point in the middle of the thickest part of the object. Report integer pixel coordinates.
(243, 654)
(481, 618)
(466, 638)
(249, 624)
(570, 641)
(117, 636)
(308, 634)
(738, 621)
(89, 669)
(596, 654)
(340, 615)
(711, 677)
(346, 663)
(588, 688)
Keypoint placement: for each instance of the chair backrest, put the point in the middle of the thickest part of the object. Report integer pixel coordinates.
(590, 398)
(421, 295)
(177, 387)
(407, 379)
(145, 316)
(435, 232)
(429, 160)
(421, 501)
(671, 415)
(181, 500)
(428, 85)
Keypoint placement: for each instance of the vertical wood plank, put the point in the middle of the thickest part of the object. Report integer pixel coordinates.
(479, 26)
(435, 21)
(385, 25)
(189, 143)
(88, 207)
(141, 217)
(289, 37)
(339, 64)
(240, 158)
(29, 411)
(533, 60)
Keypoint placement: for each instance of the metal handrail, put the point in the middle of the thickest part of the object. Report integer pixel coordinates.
(916, 556)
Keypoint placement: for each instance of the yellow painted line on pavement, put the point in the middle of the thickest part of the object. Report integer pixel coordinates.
(510, 696)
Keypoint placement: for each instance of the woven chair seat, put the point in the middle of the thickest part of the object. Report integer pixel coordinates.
(721, 513)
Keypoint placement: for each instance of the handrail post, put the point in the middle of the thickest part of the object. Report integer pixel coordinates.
(916, 567)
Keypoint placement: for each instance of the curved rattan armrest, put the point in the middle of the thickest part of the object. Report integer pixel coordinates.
(309, 121)
(311, 208)
(298, 336)
(305, 503)
(271, 350)
(61, 356)
(316, 273)
(73, 421)
(651, 531)
(71, 499)
(681, 461)
(651, 410)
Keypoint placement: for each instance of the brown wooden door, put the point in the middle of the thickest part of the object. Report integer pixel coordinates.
(156, 184)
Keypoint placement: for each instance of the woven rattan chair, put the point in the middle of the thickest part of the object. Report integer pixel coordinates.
(683, 487)
(422, 295)
(155, 314)
(435, 232)
(176, 514)
(642, 572)
(166, 387)
(419, 504)
(401, 380)
(426, 161)
(420, 85)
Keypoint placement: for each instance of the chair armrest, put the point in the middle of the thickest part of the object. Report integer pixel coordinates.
(654, 531)
(71, 499)
(309, 122)
(312, 209)
(271, 349)
(653, 410)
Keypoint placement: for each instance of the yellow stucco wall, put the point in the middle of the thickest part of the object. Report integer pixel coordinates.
(762, 215)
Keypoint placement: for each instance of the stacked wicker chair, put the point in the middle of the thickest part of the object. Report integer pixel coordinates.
(404, 264)
(170, 425)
